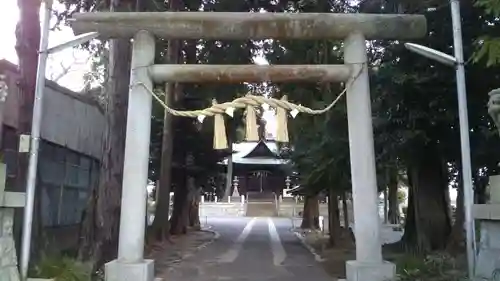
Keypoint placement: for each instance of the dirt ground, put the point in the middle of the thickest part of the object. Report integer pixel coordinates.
(335, 257)
(170, 252)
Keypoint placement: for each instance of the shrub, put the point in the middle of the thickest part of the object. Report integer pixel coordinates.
(62, 269)
(437, 267)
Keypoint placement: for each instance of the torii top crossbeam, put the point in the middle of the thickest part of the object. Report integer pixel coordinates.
(241, 25)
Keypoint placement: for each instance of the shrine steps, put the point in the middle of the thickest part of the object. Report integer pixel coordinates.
(261, 204)
(261, 209)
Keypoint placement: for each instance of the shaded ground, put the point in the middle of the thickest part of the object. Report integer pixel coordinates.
(170, 253)
(250, 249)
(334, 258)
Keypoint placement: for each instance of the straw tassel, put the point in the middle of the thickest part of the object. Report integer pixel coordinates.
(252, 133)
(281, 123)
(220, 139)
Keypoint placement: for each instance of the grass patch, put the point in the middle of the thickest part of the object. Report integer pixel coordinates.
(435, 267)
(62, 269)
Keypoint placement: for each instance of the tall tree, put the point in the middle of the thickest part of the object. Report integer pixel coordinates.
(416, 120)
(27, 47)
(100, 225)
(393, 188)
(160, 227)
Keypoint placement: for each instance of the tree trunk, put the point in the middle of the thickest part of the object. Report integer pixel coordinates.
(392, 185)
(428, 223)
(480, 184)
(160, 228)
(179, 219)
(345, 210)
(180, 213)
(194, 206)
(456, 241)
(334, 218)
(310, 215)
(27, 45)
(100, 227)
(229, 175)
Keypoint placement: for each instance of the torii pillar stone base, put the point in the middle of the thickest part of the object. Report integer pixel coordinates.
(138, 271)
(130, 264)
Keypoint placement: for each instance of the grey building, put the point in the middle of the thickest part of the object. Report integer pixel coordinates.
(71, 132)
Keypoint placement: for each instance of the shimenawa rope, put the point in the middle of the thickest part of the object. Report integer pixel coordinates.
(249, 102)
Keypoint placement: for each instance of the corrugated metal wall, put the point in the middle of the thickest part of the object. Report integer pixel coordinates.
(71, 132)
(69, 119)
(71, 123)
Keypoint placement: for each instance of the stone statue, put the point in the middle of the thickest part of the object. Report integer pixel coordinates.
(494, 107)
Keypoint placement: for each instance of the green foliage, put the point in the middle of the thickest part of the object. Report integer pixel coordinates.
(414, 100)
(62, 269)
(488, 47)
(401, 196)
(438, 267)
(491, 7)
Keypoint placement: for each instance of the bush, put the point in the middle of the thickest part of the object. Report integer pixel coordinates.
(62, 269)
(438, 267)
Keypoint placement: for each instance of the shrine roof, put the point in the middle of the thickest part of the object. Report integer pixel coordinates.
(256, 153)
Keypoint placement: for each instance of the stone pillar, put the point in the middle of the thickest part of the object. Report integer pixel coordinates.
(130, 264)
(488, 257)
(368, 265)
(8, 255)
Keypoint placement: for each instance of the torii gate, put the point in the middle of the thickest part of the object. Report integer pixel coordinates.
(353, 28)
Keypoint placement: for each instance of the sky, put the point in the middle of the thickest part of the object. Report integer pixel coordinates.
(66, 67)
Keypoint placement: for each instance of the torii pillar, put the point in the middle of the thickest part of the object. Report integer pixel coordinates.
(353, 28)
(369, 264)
